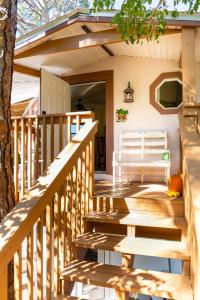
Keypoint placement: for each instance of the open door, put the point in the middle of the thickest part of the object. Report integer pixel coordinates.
(55, 97)
(55, 94)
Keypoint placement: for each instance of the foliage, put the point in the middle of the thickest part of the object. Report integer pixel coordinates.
(144, 18)
(122, 111)
(35, 13)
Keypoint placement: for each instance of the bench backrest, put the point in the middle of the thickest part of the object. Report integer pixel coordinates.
(144, 144)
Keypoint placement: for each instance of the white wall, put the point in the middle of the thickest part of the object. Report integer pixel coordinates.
(142, 116)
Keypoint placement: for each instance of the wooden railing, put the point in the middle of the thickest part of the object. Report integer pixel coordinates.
(190, 141)
(39, 231)
(37, 140)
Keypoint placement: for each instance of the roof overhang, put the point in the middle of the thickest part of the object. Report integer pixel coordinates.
(83, 15)
(81, 37)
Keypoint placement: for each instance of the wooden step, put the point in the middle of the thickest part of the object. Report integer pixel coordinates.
(151, 202)
(68, 298)
(131, 245)
(137, 219)
(160, 284)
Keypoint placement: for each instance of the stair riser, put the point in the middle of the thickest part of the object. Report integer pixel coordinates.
(166, 207)
(141, 231)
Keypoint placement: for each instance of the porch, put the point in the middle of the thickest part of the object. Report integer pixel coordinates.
(62, 214)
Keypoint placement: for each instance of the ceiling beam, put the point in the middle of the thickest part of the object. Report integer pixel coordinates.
(26, 70)
(105, 48)
(72, 43)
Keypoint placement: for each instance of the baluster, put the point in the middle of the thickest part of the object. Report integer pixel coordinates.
(83, 191)
(74, 203)
(69, 122)
(23, 153)
(63, 229)
(77, 123)
(44, 145)
(37, 170)
(40, 256)
(56, 245)
(78, 198)
(4, 283)
(49, 249)
(69, 219)
(52, 139)
(60, 133)
(30, 265)
(18, 274)
(16, 158)
(87, 178)
(29, 158)
(91, 174)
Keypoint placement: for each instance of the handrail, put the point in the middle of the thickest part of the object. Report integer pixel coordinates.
(87, 114)
(37, 140)
(58, 202)
(191, 171)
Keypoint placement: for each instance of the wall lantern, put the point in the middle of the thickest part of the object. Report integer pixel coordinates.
(128, 94)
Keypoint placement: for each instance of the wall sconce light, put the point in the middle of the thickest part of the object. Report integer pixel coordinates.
(128, 94)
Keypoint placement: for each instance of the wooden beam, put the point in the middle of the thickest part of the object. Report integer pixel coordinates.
(72, 43)
(188, 66)
(26, 70)
(105, 48)
(77, 42)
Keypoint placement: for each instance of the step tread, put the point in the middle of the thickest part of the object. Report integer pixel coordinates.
(68, 298)
(160, 284)
(137, 218)
(132, 245)
(157, 198)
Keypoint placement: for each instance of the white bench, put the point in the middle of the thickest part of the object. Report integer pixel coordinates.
(141, 150)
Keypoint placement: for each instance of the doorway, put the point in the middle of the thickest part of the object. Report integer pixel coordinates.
(92, 97)
(107, 77)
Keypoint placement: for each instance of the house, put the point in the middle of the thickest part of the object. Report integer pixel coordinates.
(82, 64)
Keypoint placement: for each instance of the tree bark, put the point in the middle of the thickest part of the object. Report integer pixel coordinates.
(8, 17)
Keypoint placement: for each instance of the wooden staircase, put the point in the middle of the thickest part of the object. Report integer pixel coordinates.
(149, 227)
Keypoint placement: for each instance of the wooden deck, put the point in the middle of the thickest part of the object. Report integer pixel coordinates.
(132, 190)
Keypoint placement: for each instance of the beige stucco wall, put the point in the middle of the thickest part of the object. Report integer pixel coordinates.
(142, 116)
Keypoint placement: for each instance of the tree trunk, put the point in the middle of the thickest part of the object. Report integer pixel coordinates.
(8, 17)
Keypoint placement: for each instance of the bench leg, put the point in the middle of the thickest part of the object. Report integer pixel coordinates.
(167, 174)
(114, 175)
(120, 174)
(142, 174)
